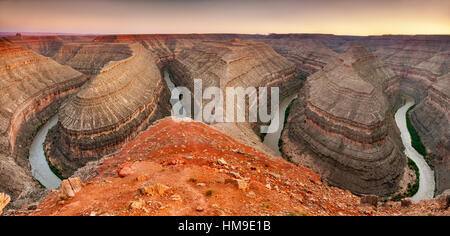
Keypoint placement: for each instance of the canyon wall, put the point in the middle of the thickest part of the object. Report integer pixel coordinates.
(421, 63)
(90, 58)
(309, 55)
(235, 63)
(431, 118)
(32, 86)
(123, 99)
(342, 127)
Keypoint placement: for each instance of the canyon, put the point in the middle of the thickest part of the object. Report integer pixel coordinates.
(32, 86)
(111, 130)
(342, 119)
(111, 108)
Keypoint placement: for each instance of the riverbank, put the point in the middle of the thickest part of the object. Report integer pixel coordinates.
(38, 162)
(271, 140)
(426, 174)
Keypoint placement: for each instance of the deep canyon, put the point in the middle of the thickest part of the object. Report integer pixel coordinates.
(111, 94)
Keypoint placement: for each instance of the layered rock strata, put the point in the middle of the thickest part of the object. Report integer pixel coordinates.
(177, 171)
(123, 99)
(431, 118)
(341, 126)
(234, 64)
(32, 87)
(90, 58)
(309, 55)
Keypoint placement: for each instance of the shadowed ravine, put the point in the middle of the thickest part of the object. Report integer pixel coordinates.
(271, 139)
(426, 182)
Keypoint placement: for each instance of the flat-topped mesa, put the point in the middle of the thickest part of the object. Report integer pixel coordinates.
(123, 99)
(32, 87)
(90, 58)
(431, 118)
(340, 126)
(47, 45)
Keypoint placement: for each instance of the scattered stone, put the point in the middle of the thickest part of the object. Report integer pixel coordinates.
(32, 206)
(126, 169)
(199, 209)
(235, 174)
(239, 184)
(222, 162)
(275, 176)
(152, 189)
(141, 178)
(251, 194)
(268, 186)
(137, 205)
(371, 200)
(175, 197)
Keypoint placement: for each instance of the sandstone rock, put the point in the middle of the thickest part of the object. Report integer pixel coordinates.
(222, 162)
(343, 120)
(234, 64)
(308, 54)
(406, 202)
(431, 119)
(137, 205)
(69, 187)
(369, 200)
(239, 184)
(444, 199)
(66, 189)
(152, 189)
(4, 200)
(76, 184)
(126, 169)
(90, 58)
(123, 99)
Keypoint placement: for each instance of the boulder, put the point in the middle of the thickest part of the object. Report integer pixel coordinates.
(371, 200)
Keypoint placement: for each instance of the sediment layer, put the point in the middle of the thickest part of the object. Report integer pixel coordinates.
(90, 58)
(431, 119)
(32, 86)
(123, 99)
(341, 126)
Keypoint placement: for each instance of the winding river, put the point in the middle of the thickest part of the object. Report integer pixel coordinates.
(426, 180)
(271, 139)
(42, 172)
(39, 166)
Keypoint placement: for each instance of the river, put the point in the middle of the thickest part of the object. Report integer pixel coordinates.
(271, 140)
(39, 166)
(426, 181)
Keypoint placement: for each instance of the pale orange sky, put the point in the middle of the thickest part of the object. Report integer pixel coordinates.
(344, 17)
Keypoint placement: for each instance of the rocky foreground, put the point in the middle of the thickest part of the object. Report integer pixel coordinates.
(188, 168)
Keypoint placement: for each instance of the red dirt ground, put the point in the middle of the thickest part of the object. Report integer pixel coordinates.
(182, 160)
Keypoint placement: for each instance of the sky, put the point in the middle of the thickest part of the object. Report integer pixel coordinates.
(342, 17)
